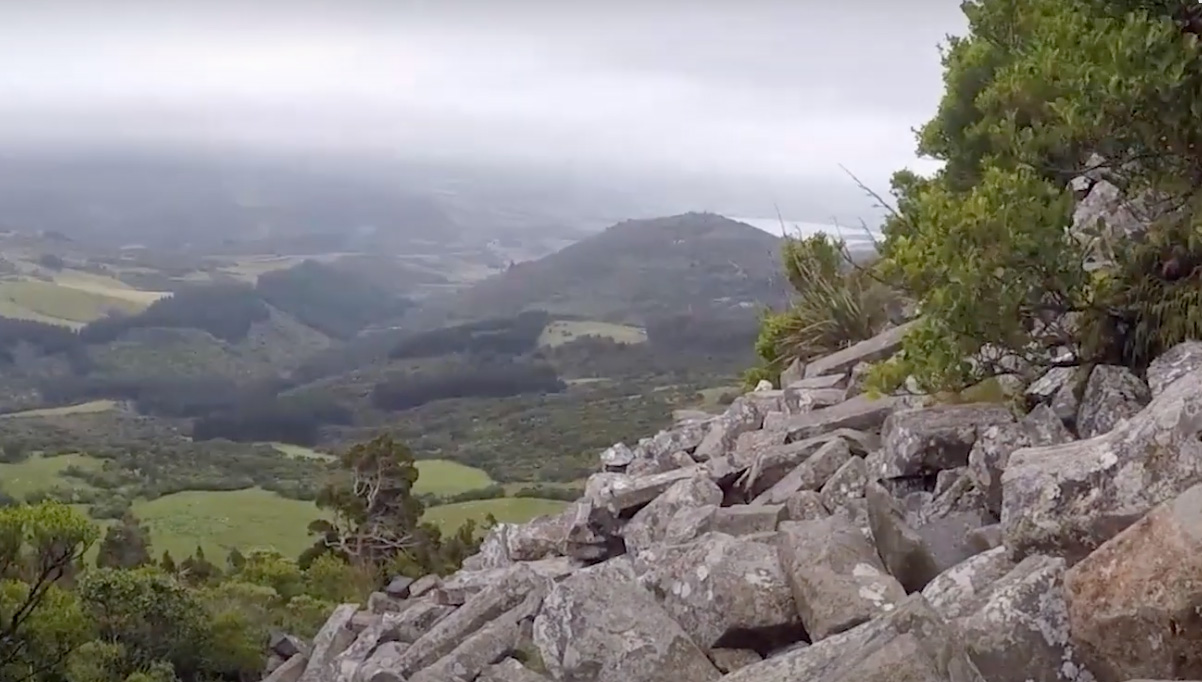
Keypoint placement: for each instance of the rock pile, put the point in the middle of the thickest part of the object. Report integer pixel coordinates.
(813, 533)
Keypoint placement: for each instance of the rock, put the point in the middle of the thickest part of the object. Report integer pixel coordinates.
(381, 629)
(594, 533)
(1133, 602)
(819, 382)
(482, 608)
(683, 416)
(381, 666)
(600, 625)
(624, 494)
(984, 538)
(1173, 364)
(749, 442)
(991, 453)
(1044, 389)
(334, 637)
(797, 400)
(764, 385)
(837, 579)
(805, 505)
(767, 467)
(616, 457)
(725, 592)
(290, 671)
(688, 524)
(1065, 405)
(730, 660)
(743, 415)
(541, 537)
(846, 484)
(494, 550)
(379, 603)
(930, 439)
(680, 438)
(1112, 393)
(959, 591)
(1020, 631)
(417, 619)
(861, 412)
(423, 585)
(398, 587)
(810, 474)
(509, 670)
(911, 642)
(947, 478)
(1068, 499)
(1104, 215)
(287, 646)
(487, 645)
(746, 520)
(650, 524)
(879, 347)
(793, 373)
(900, 547)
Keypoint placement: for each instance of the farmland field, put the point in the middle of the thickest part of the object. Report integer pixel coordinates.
(82, 408)
(563, 331)
(444, 477)
(39, 473)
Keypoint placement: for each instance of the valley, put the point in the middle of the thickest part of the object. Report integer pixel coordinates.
(209, 395)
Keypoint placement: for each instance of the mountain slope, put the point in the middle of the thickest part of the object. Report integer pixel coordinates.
(637, 270)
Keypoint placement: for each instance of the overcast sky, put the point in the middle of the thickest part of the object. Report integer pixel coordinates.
(764, 88)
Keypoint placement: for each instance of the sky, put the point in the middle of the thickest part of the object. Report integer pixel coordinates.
(783, 89)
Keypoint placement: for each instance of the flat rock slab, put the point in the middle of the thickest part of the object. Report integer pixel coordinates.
(1133, 603)
(861, 412)
(1066, 500)
(600, 625)
(911, 642)
(877, 348)
(837, 578)
(927, 440)
(960, 590)
(1173, 364)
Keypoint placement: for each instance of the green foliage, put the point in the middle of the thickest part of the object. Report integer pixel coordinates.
(983, 245)
(126, 545)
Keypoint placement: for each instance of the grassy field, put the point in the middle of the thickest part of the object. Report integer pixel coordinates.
(444, 477)
(39, 473)
(508, 510)
(106, 286)
(562, 331)
(57, 304)
(300, 451)
(82, 408)
(220, 521)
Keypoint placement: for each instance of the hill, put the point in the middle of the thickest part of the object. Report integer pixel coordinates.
(634, 271)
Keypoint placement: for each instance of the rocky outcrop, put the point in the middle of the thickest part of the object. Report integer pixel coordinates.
(815, 533)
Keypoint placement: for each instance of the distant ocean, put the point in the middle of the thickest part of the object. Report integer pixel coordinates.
(849, 233)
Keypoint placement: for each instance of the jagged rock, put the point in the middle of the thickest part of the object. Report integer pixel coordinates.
(616, 457)
(541, 537)
(1112, 393)
(382, 664)
(482, 608)
(624, 493)
(750, 442)
(688, 524)
(930, 439)
(418, 618)
(855, 512)
(793, 373)
(730, 660)
(1068, 499)
(744, 414)
(947, 478)
(659, 463)
(984, 538)
(346, 664)
(991, 453)
(911, 642)
(846, 484)
(767, 467)
(798, 400)
(600, 625)
(819, 382)
(274, 661)
(764, 385)
(879, 347)
(290, 671)
(811, 474)
(509, 670)
(685, 416)
(1133, 603)
(857, 379)
(650, 524)
(334, 637)
(458, 588)
(423, 585)
(959, 591)
(900, 547)
(1173, 364)
(861, 413)
(379, 603)
(489, 644)
(805, 505)
(726, 592)
(399, 587)
(1043, 389)
(494, 550)
(837, 579)
(1065, 405)
(361, 620)
(287, 646)
(962, 496)
(746, 520)
(1020, 631)
(680, 438)
(594, 533)
(1104, 214)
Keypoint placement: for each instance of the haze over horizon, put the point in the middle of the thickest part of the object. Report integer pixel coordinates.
(766, 92)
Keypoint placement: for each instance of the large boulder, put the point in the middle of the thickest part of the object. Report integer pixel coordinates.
(911, 642)
(1068, 499)
(931, 439)
(600, 625)
(861, 412)
(1112, 394)
(845, 485)
(726, 592)
(487, 645)
(960, 590)
(649, 525)
(901, 548)
(333, 638)
(744, 414)
(991, 453)
(594, 533)
(1133, 603)
(1173, 364)
(837, 578)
